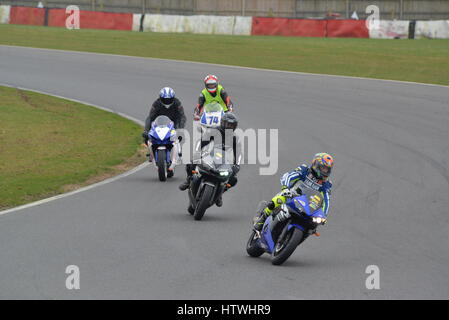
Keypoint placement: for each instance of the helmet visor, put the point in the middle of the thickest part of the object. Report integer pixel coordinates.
(211, 86)
(229, 125)
(324, 170)
(167, 101)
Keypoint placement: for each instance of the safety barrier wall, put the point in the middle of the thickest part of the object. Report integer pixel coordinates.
(288, 27)
(232, 25)
(389, 9)
(26, 15)
(196, 24)
(347, 29)
(432, 29)
(309, 27)
(93, 20)
(394, 29)
(4, 14)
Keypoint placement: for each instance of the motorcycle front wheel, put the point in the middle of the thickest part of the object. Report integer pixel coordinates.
(203, 204)
(286, 246)
(161, 165)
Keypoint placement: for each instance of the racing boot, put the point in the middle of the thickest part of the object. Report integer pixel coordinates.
(263, 215)
(185, 185)
(189, 171)
(219, 201)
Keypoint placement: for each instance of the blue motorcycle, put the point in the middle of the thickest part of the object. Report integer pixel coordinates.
(288, 226)
(163, 136)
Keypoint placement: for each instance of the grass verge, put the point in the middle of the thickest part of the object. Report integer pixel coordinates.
(50, 146)
(408, 60)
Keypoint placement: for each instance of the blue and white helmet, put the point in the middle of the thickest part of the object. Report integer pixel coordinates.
(167, 96)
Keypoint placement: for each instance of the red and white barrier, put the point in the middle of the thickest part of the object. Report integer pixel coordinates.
(242, 26)
(137, 17)
(93, 20)
(4, 14)
(230, 25)
(438, 29)
(390, 29)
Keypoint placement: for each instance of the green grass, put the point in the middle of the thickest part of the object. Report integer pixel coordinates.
(50, 145)
(410, 60)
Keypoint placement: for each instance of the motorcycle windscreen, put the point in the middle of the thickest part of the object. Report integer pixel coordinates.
(161, 128)
(217, 156)
(223, 155)
(162, 121)
(213, 107)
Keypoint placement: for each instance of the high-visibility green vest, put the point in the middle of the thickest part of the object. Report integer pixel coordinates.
(209, 98)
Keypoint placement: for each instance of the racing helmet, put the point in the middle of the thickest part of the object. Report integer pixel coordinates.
(322, 164)
(211, 83)
(229, 121)
(167, 96)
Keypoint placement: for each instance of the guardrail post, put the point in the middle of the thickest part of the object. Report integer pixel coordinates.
(411, 29)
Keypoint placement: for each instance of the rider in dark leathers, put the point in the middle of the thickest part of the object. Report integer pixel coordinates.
(228, 124)
(168, 105)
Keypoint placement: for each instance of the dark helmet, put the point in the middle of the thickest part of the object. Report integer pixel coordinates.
(229, 121)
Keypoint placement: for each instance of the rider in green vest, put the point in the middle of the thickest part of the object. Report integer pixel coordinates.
(213, 92)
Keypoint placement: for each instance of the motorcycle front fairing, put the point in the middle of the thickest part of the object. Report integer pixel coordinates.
(306, 207)
(214, 169)
(266, 240)
(162, 135)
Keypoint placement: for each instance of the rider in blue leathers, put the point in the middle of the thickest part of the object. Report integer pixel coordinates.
(315, 177)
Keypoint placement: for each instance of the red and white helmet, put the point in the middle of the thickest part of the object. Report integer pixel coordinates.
(211, 83)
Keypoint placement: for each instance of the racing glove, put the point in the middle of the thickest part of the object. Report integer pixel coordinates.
(145, 136)
(197, 113)
(286, 193)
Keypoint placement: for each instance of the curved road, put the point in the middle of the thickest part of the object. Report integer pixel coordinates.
(133, 238)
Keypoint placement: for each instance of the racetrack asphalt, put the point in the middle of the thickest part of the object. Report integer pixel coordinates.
(133, 238)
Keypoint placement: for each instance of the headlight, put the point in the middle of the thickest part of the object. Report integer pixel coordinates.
(224, 173)
(317, 220)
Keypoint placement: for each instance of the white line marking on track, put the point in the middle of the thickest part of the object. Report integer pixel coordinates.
(63, 195)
